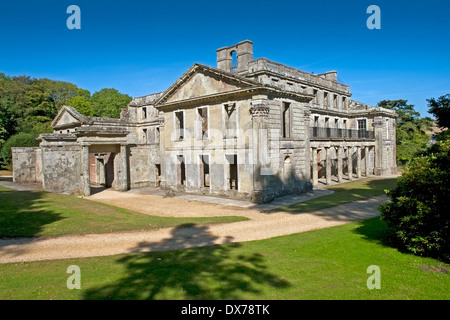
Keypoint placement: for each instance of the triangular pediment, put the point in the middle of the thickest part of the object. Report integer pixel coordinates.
(202, 81)
(67, 117)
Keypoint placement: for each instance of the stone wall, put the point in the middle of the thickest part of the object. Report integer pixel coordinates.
(27, 164)
(62, 169)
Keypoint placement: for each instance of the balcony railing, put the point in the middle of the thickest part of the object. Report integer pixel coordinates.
(319, 133)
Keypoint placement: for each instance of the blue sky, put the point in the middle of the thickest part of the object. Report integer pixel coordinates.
(141, 47)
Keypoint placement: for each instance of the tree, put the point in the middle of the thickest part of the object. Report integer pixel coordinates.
(82, 102)
(411, 130)
(418, 210)
(440, 108)
(109, 102)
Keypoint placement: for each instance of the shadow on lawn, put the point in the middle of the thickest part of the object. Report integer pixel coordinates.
(210, 272)
(376, 230)
(24, 213)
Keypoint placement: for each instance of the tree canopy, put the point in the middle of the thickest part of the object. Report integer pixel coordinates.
(411, 129)
(440, 108)
(28, 105)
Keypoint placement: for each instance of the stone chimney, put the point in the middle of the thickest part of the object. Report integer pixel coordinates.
(243, 52)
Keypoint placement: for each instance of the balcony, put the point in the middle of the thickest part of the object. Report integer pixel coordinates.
(319, 133)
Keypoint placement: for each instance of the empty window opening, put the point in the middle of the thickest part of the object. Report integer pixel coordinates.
(181, 170)
(230, 120)
(232, 172)
(288, 172)
(286, 120)
(203, 118)
(315, 93)
(344, 103)
(316, 126)
(233, 61)
(327, 126)
(325, 99)
(179, 125)
(335, 100)
(156, 135)
(204, 171)
(144, 135)
(157, 175)
(144, 113)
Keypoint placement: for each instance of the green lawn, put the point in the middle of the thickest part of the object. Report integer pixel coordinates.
(343, 193)
(39, 213)
(323, 264)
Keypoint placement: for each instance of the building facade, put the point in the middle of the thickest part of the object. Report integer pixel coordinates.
(247, 129)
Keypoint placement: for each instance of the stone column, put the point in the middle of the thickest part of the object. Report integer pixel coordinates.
(358, 161)
(339, 164)
(85, 170)
(350, 163)
(366, 160)
(378, 130)
(328, 165)
(162, 148)
(122, 170)
(315, 174)
(260, 111)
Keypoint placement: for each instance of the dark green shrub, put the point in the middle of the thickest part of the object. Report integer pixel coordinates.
(418, 210)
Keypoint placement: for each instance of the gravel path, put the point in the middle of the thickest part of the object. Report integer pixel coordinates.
(260, 226)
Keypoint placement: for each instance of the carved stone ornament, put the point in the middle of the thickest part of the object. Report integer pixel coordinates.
(259, 109)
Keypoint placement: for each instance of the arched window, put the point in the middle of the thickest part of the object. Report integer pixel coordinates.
(233, 61)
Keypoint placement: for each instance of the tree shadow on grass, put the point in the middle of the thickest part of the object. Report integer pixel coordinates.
(23, 213)
(207, 273)
(376, 230)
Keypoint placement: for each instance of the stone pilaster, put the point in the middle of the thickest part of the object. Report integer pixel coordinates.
(85, 170)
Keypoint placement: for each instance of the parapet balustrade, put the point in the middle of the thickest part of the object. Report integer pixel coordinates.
(322, 133)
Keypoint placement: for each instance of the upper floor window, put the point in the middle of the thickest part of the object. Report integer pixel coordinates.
(203, 121)
(230, 123)
(179, 125)
(144, 112)
(286, 122)
(362, 128)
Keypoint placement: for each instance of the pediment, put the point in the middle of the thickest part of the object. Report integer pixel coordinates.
(67, 117)
(202, 81)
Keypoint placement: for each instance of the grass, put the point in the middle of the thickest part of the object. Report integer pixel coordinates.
(343, 193)
(39, 213)
(322, 264)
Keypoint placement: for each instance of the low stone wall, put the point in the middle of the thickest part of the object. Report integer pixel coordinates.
(26, 165)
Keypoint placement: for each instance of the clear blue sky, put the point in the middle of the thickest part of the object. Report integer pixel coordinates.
(141, 47)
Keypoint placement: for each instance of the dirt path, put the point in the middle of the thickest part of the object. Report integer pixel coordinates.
(260, 226)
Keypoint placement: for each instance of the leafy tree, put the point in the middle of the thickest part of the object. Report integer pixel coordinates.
(411, 130)
(418, 210)
(109, 102)
(440, 108)
(82, 102)
(29, 105)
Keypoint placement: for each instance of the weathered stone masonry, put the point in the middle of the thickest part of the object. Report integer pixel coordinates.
(248, 129)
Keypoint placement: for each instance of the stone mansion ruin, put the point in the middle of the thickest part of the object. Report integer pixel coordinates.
(247, 129)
